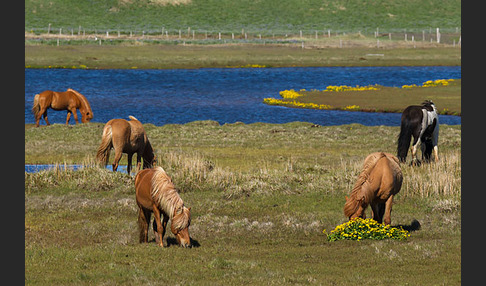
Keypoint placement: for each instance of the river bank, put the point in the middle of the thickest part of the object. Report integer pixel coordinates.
(146, 56)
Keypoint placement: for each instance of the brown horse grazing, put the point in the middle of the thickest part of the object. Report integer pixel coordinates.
(155, 193)
(125, 137)
(69, 100)
(380, 179)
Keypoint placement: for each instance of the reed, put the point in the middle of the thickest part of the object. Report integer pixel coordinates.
(437, 179)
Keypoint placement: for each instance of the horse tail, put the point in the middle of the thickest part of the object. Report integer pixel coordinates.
(103, 154)
(404, 139)
(148, 155)
(132, 117)
(36, 106)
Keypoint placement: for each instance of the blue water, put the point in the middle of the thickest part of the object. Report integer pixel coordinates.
(225, 95)
(34, 168)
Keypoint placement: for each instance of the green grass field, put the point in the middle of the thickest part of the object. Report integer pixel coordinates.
(270, 16)
(177, 56)
(163, 33)
(261, 195)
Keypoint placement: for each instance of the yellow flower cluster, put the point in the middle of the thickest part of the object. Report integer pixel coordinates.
(351, 107)
(273, 101)
(438, 82)
(248, 66)
(431, 83)
(409, 85)
(290, 94)
(358, 229)
(338, 88)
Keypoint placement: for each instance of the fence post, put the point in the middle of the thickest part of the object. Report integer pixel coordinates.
(49, 29)
(438, 36)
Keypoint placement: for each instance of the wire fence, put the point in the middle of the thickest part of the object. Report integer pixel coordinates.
(82, 35)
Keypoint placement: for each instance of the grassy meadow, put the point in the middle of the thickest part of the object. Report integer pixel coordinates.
(447, 98)
(277, 16)
(261, 195)
(230, 55)
(161, 34)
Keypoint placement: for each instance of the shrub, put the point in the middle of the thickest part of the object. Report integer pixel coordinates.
(359, 229)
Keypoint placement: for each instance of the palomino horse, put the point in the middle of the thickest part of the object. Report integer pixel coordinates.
(125, 137)
(69, 100)
(380, 179)
(423, 123)
(155, 193)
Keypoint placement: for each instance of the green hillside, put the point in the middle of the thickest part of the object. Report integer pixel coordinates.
(275, 16)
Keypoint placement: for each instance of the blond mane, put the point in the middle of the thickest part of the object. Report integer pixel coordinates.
(84, 101)
(352, 203)
(168, 199)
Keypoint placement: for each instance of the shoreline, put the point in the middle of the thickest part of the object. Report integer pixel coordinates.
(147, 56)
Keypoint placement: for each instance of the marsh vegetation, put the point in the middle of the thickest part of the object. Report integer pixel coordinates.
(261, 195)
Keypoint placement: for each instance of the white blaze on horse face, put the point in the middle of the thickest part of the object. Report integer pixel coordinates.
(183, 238)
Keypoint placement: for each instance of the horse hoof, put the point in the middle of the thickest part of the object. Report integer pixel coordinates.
(415, 163)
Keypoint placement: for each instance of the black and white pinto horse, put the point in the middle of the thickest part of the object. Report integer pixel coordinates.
(421, 122)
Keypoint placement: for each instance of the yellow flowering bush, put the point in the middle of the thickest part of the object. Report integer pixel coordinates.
(273, 101)
(290, 94)
(409, 86)
(248, 66)
(338, 88)
(351, 107)
(359, 229)
(438, 82)
(431, 83)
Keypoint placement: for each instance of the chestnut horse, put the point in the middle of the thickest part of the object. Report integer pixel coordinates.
(69, 100)
(125, 137)
(155, 193)
(380, 179)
